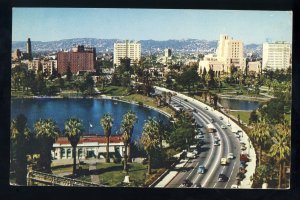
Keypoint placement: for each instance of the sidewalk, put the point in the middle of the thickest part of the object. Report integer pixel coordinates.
(172, 173)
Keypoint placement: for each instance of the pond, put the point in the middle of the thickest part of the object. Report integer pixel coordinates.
(237, 104)
(88, 110)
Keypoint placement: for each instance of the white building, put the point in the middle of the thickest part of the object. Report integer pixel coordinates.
(254, 68)
(229, 53)
(276, 55)
(88, 146)
(127, 49)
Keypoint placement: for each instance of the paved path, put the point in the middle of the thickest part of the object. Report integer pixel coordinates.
(94, 178)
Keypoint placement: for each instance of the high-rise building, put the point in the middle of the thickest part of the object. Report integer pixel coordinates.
(168, 57)
(79, 59)
(231, 52)
(131, 50)
(168, 52)
(28, 49)
(276, 55)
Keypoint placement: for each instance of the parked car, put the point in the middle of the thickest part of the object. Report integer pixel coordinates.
(205, 108)
(240, 176)
(201, 169)
(187, 183)
(221, 118)
(211, 120)
(242, 170)
(190, 155)
(243, 148)
(244, 157)
(222, 178)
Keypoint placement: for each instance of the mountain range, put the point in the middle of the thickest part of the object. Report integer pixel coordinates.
(106, 45)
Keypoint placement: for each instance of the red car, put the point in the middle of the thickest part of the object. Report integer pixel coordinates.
(244, 157)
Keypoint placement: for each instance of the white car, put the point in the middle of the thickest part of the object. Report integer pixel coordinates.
(223, 126)
(237, 135)
(205, 108)
(190, 155)
(230, 156)
(221, 118)
(228, 124)
(234, 186)
(216, 138)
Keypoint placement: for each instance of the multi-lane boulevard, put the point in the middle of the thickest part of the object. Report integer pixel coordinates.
(210, 155)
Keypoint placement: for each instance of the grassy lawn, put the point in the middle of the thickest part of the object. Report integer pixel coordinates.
(114, 90)
(112, 174)
(20, 93)
(148, 101)
(70, 93)
(244, 115)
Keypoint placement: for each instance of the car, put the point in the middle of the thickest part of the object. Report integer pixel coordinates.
(223, 126)
(242, 164)
(191, 155)
(242, 170)
(187, 183)
(216, 138)
(211, 120)
(199, 137)
(243, 148)
(230, 156)
(194, 110)
(240, 176)
(237, 135)
(244, 157)
(221, 118)
(201, 169)
(216, 143)
(200, 125)
(222, 178)
(234, 186)
(195, 152)
(224, 161)
(228, 124)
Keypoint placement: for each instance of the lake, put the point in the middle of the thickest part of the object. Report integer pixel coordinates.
(237, 104)
(88, 110)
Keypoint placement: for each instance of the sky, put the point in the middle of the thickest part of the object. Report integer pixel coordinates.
(51, 24)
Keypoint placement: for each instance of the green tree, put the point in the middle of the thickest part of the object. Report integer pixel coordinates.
(150, 138)
(46, 133)
(106, 122)
(253, 117)
(69, 72)
(260, 134)
(128, 122)
(19, 141)
(126, 140)
(281, 148)
(73, 131)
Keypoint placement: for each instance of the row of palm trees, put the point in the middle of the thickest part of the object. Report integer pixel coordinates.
(46, 132)
(273, 143)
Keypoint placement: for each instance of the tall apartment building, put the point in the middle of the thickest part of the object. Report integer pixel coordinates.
(168, 56)
(127, 49)
(80, 58)
(276, 55)
(231, 52)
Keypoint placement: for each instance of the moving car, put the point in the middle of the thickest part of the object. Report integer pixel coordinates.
(190, 155)
(223, 126)
(201, 169)
(222, 178)
(224, 161)
(216, 143)
(187, 183)
(216, 138)
(205, 108)
(221, 118)
(228, 124)
(230, 156)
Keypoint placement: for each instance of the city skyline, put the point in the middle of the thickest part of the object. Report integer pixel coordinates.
(248, 26)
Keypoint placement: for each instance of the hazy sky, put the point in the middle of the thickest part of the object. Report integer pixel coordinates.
(48, 24)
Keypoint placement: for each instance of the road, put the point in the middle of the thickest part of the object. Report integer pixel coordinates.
(210, 155)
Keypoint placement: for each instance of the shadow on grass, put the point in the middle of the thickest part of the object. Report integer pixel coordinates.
(104, 170)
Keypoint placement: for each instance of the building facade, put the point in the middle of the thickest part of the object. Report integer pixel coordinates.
(88, 147)
(254, 68)
(229, 53)
(47, 66)
(79, 58)
(276, 55)
(131, 50)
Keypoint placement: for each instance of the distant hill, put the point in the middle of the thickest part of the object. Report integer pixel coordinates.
(102, 45)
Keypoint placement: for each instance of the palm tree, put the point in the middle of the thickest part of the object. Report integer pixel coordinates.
(281, 148)
(106, 122)
(46, 133)
(169, 97)
(129, 119)
(19, 142)
(125, 138)
(150, 138)
(260, 134)
(73, 130)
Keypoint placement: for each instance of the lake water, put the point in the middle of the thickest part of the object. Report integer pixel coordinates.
(88, 110)
(236, 104)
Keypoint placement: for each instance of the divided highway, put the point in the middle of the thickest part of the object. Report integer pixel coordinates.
(210, 155)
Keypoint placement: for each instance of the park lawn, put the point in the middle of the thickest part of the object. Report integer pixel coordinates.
(70, 93)
(114, 90)
(244, 115)
(112, 173)
(148, 101)
(20, 93)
